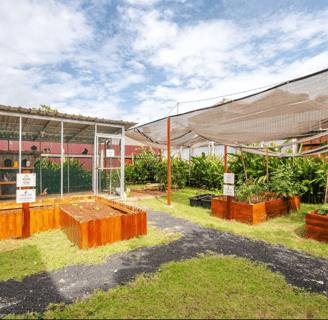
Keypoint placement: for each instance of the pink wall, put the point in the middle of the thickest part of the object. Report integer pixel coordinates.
(73, 149)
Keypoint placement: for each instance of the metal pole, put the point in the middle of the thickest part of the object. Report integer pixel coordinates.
(62, 160)
(94, 158)
(40, 169)
(20, 145)
(189, 165)
(110, 170)
(105, 164)
(169, 161)
(122, 161)
(67, 168)
(99, 166)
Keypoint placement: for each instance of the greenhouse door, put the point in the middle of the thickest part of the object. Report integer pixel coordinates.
(109, 164)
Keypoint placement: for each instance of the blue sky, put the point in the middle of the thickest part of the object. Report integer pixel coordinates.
(135, 59)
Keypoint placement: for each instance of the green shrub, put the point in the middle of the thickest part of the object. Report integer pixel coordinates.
(207, 171)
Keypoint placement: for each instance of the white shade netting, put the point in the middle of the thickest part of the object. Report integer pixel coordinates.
(295, 109)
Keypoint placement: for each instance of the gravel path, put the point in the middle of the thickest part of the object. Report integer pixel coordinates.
(35, 292)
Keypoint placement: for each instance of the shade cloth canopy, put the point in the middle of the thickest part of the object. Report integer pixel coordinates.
(294, 109)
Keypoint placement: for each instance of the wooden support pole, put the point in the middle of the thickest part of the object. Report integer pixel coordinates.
(169, 161)
(267, 169)
(225, 159)
(229, 201)
(26, 217)
(242, 158)
(229, 198)
(326, 189)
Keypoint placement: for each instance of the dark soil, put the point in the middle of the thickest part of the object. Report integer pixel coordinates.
(73, 282)
(86, 211)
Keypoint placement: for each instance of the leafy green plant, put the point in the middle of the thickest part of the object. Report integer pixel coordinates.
(74, 204)
(79, 178)
(207, 171)
(144, 168)
(179, 172)
(97, 209)
(249, 191)
(285, 183)
(323, 211)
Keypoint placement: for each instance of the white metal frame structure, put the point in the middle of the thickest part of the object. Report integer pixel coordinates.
(17, 127)
(99, 161)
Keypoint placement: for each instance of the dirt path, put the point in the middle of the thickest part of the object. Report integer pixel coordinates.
(35, 292)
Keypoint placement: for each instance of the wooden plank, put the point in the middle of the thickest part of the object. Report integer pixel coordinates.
(11, 224)
(111, 229)
(139, 225)
(104, 231)
(84, 235)
(117, 228)
(134, 225)
(91, 231)
(123, 228)
(18, 224)
(128, 226)
(144, 222)
(3, 226)
(98, 232)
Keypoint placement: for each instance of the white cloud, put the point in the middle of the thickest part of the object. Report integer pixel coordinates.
(38, 32)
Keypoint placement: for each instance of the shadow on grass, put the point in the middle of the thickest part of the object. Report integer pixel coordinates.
(33, 293)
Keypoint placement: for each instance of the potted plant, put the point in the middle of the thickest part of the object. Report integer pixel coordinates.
(316, 224)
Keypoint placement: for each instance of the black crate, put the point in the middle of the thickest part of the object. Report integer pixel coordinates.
(196, 201)
(206, 202)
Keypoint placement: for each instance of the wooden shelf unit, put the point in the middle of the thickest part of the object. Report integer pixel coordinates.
(8, 188)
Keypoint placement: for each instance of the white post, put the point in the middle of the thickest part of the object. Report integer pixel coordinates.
(122, 161)
(62, 160)
(20, 145)
(110, 170)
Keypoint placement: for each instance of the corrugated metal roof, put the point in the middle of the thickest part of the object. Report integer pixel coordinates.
(65, 116)
(39, 125)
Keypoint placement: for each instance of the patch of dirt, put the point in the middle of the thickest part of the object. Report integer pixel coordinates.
(86, 211)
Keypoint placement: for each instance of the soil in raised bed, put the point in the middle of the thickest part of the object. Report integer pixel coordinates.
(85, 211)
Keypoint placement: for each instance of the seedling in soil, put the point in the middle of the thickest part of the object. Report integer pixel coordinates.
(111, 214)
(74, 204)
(80, 207)
(97, 209)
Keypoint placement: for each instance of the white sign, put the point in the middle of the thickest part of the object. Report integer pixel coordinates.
(110, 153)
(229, 178)
(26, 180)
(229, 190)
(24, 196)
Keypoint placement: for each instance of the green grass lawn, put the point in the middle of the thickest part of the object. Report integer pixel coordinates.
(52, 250)
(212, 286)
(288, 230)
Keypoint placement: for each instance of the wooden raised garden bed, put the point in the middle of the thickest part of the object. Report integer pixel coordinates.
(83, 224)
(254, 213)
(316, 226)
